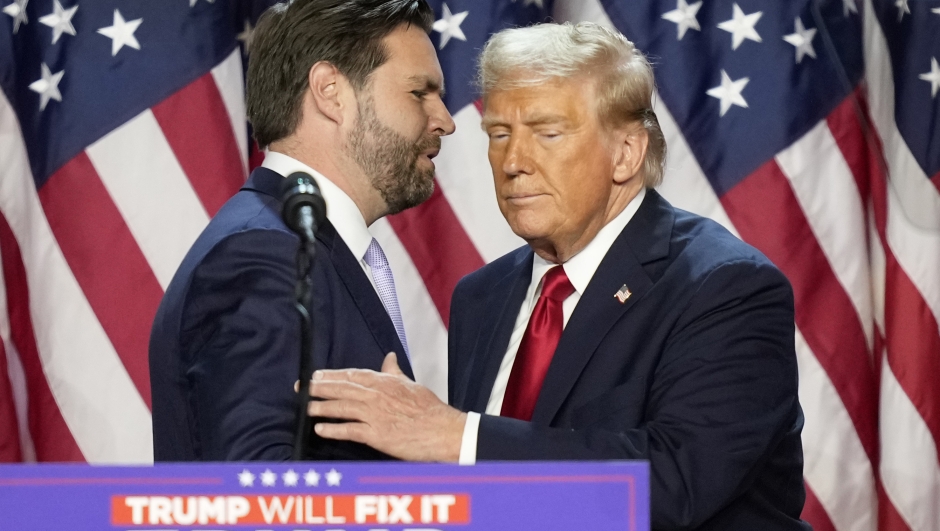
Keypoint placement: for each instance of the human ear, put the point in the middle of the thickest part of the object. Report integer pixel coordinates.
(630, 147)
(325, 87)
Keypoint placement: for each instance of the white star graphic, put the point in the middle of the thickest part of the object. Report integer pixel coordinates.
(47, 87)
(803, 40)
(449, 26)
(311, 478)
(290, 478)
(121, 33)
(933, 77)
(729, 92)
(193, 2)
(268, 478)
(936, 10)
(538, 3)
(246, 478)
(849, 6)
(246, 36)
(333, 478)
(741, 27)
(60, 20)
(903, 8)
(17, 10)
(684, 16)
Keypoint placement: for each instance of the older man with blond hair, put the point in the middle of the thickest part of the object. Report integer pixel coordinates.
(625, 329)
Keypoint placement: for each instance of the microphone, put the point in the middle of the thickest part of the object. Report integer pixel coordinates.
(304, 208)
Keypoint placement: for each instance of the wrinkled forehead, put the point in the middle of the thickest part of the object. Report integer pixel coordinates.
(541, 96)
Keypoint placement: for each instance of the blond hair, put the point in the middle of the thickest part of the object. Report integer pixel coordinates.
(528, 56)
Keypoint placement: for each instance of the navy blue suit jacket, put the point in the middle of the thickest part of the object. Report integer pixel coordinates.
(225, 345)
(695, 372)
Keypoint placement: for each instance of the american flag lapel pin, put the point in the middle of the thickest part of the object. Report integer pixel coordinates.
(623, 294)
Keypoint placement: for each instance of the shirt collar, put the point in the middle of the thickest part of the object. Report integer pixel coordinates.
(341, 210)
(581, 267)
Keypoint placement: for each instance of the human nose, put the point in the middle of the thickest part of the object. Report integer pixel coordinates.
(440, 121)
(517, 160)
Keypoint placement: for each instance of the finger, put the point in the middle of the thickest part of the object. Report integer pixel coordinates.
(364, 377)
(390, 365)
(340, 390)
(297, 386)
(338, 409)
(348, 431)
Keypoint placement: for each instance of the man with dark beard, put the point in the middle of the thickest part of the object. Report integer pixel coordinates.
(348, 91)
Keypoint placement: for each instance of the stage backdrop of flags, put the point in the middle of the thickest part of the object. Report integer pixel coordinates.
(809, 128)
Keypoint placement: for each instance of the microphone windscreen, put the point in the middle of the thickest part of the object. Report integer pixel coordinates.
(299, 189)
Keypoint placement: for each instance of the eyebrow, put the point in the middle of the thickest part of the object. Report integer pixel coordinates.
(538, 119)
(428, 83)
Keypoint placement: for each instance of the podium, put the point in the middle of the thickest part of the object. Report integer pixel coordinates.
(334, 496)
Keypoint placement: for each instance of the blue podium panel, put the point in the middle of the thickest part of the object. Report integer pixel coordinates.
(331, 496)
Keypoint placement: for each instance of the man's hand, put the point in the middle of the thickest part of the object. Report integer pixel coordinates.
(388, 411)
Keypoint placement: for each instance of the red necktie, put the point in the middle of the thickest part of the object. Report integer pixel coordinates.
(537, 346)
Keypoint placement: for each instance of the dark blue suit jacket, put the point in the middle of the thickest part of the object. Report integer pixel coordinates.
(696, 372)
(225, 345)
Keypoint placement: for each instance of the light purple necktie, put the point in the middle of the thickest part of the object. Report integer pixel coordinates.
(385, 284)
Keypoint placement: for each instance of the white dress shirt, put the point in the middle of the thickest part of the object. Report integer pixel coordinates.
(580, 269)
(341, 210)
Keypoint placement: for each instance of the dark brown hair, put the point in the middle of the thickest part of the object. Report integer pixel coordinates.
(293, 36)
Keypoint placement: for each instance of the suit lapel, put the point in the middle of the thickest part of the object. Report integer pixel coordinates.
(350, 272)
(364, 295)
(645, 239)
(491, 348)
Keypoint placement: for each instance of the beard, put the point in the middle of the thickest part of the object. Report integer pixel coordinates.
(390, 161)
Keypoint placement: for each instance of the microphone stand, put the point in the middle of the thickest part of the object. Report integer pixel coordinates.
(303, 210)
(304, 297)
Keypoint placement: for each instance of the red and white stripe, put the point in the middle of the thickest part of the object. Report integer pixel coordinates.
(15, 444)
(906, 208)
(86, 260)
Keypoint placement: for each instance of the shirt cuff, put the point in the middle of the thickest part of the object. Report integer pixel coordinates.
(468, 445)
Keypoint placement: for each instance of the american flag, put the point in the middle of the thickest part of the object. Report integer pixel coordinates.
(810, 128)
(122, 130)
